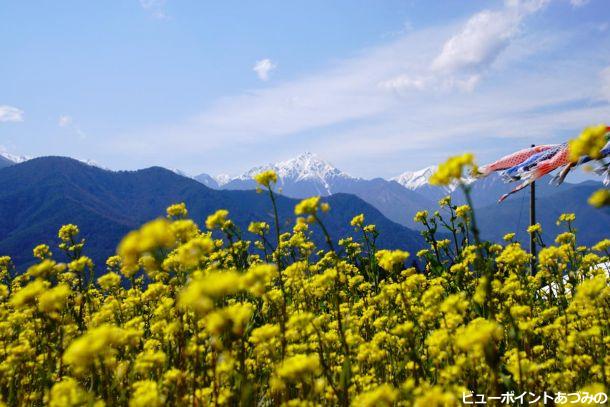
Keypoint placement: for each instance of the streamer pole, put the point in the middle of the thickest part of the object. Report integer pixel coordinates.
(533, 248)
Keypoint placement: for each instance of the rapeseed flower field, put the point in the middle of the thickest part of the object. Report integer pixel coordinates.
(192, 315)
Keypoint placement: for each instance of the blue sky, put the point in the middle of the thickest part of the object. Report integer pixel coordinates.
(375, 87)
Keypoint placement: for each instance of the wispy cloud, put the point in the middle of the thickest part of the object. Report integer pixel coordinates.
(67, 122)
(155, 7)
(578, 3)
(263, 68)
(404, 82)
(11, 114)
(605, 83)
(64, 121)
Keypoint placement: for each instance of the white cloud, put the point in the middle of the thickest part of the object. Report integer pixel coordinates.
(483, 37)
(263, 68)
(605, 83)
(64, 121)
(578, 3)
(10, 114)
(155, 7)
(466, 83)
(470, 51)
(404, 82)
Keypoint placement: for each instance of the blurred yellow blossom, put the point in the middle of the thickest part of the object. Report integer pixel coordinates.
(588, 143)
(307, 206)
(600, 198)
(452, 169)
(266, 178)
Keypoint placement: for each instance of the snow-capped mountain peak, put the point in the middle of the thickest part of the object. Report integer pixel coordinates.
(13, 158)
(415, 179)
(212, 181)
(222, 179)
(306, 167)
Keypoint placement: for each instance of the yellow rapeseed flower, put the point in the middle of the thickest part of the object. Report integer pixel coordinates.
(307, 206)
(508, 237)
(29, 294)
(217, 220)
(535, 228)
(154, 235)
(94, 345)
(589, 143)
(42, 251)
(462, 211)
(68, 232)
(478, 334)
(421, 216)
(298, 367)
(383, 395)
(177, 211)
(68, 393)
(357, 220)
(146, 394)
(600, 198)
(258, 228)
(109, 281)
(266, 178)
(601, 246)
(389, 260)
(566, 217)
(513, 256)
(201, 293)
(452, 169)
(54, 300)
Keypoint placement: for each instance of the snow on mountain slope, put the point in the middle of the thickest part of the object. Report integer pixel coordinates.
(222, 179)
(484, 191)
(11, 158)
(207, 180)
(415, 179)
(180, 172)
(308, 175)
(307, 168)
(93, 164)
(419, 181)
(211, 181)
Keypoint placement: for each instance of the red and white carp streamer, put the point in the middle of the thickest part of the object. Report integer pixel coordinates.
(513, 159)
(531, 164)
(546, 164)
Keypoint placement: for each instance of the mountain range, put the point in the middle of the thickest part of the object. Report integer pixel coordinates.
(400, 197)
(39, 195)
(43, 193)
(308, 175)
